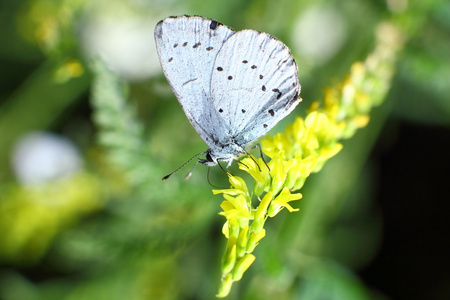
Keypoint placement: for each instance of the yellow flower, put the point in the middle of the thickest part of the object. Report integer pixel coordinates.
(300, 169)
(281, 201)
(261, 213)
(238, 187)
(242, 265)
(235, 207)
(278, 173)
(225, 287)
(259, 171)
(229, 258)
(254, 240)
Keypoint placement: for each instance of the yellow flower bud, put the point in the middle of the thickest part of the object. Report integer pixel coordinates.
(242, 265)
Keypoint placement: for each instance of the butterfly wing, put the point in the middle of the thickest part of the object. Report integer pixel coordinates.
(187, 48)
(254, 84)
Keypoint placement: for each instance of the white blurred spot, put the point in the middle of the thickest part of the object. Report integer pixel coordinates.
(397, 6)
(319, 33)
(40, 157)
(126, 43)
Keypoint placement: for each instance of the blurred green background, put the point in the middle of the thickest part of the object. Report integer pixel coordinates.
(83, 211)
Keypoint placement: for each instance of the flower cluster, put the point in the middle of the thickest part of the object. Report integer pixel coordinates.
(303, 148)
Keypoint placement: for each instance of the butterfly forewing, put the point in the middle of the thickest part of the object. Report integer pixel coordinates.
(254, 84)
(187, 48)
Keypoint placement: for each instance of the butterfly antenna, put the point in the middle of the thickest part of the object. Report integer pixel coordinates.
(190, 173)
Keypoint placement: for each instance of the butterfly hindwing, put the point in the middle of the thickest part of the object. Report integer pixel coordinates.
(187, 48)
(254, 84)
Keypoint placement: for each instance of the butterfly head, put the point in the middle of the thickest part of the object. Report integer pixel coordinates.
(210, 160)
(227, 154)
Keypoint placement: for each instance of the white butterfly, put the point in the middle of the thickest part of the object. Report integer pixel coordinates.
(233, 86)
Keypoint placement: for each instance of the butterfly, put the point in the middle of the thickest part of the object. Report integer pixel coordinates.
(233, 86)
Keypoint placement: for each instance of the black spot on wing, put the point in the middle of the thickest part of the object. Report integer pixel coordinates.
(196, 45)
(263, 88)
(185, 44)
(271, 112)
(170, 59)
(265, 125)
(230, 77)
(214, 24)
(243, 111)
(220, 69)
(294, 99)
(279, 93)
(261, 77)
(209, 48)
(245, 61)
(175, 45)
(220, 110)
(254, 67)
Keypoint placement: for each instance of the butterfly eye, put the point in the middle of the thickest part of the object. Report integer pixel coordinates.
(209, 158)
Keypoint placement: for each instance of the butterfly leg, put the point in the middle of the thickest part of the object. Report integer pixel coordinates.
(261, 154)
(226, 172)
